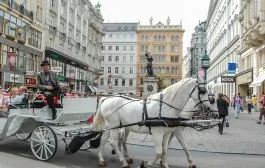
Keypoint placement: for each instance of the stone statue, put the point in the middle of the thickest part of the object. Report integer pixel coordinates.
(149, 66)
(151, 21)
(168, 21)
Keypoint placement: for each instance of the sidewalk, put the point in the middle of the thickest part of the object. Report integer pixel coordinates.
(244, 136)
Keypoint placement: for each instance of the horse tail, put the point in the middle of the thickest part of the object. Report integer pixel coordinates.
(99, 121)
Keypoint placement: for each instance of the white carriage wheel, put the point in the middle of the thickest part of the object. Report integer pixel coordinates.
(85, 146)
(43, 143)
(23, 136)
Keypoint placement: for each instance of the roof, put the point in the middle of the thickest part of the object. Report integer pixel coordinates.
(111, 27)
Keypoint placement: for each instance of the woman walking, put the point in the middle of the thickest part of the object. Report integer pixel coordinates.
(238, 103)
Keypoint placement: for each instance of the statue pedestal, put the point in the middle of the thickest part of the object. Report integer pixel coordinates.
(150, 85)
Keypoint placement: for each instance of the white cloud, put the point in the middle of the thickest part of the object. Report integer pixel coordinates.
(189, 11)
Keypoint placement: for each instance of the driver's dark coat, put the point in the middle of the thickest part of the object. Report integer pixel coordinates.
(222, 106)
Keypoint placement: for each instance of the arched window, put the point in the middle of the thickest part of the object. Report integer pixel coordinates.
(172, 38)
(159, 38)
(119, 28)
(172, 70)
(163, 70)
(155, 38)
(172, 81)
(167, 70)
(176, 70)
(163, 38)
(196, 61)
(159, 70)
(142, 38)
(146, 38)
(126, 28)
(176, 38)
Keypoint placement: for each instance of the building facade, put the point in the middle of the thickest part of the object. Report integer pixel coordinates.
(186, 66)
(21, 35)
(118, 59)
(197, 49)
(252, 46)
(164, 41)
(73, 42)
(223, 32)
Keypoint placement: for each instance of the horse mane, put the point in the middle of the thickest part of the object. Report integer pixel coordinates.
(171, 92)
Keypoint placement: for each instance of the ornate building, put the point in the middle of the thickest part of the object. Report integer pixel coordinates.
(119, 58)
(21, 33)
(252, 46)
(197, 48)
(222, 31)
(73, 41)
(165, 44)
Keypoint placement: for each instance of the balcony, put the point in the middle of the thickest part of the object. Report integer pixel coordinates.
(62, 36)
(52, 30)
(19, 8)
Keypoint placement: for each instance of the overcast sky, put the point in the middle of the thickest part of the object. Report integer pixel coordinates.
(189, 11)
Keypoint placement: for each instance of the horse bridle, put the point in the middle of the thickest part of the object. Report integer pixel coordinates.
(201, 90)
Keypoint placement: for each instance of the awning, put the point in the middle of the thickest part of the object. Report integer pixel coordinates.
(258, 80)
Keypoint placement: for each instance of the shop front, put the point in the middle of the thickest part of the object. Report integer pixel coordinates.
(243, 80)
(72, 73)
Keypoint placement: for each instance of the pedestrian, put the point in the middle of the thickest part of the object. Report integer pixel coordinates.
(249, 104)
(222, 106)
(241, 107)
(238, 104)
(262, 108)
(254, 101)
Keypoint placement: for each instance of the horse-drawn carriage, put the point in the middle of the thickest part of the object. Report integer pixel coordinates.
(165, 113)
(33, 121)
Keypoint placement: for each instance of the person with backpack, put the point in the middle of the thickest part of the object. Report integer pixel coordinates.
(222, 105)
(238, 104)
(262, 108)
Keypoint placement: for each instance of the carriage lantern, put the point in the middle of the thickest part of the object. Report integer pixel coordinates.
(205, 63)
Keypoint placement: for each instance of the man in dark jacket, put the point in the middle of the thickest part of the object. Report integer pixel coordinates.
(222, 106)
(48, 83)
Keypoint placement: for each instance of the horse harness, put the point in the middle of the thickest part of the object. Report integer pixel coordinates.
(161, 121)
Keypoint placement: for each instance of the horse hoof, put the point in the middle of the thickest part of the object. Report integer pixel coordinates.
(102, 163)
(143, 164)
(193, 166)
(113, 152)
(129, 161)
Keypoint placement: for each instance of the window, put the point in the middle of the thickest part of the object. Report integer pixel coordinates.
(110, 35)
(131, 70)
(110, 48)
(201, 39)
(142, 38)
(102, 69)
(101, 81)
(116, 69)
(103, 48)
(39, 14)
(116, 82)
(146, 38)
(109, 58)
(123, 70)
(155, 38)
(131, 58)
(117, 58)
(51, 42)
(124, 59)
(62, 8)
(117, 48)
(52, 3)
(131, 48)
(197, 39)
(109, 69)
(123, 82)
(124, 48)
(103, 58)
(132, 36)
(61, 47)
(131, 82)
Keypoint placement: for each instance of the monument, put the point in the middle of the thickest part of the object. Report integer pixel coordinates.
(150, 81)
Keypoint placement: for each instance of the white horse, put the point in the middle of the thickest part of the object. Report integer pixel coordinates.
(118, 111)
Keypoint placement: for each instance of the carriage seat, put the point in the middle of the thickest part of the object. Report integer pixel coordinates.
(56, 101)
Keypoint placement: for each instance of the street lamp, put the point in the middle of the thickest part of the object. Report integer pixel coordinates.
(205, 62)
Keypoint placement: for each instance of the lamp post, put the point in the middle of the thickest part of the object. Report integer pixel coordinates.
(205, 63)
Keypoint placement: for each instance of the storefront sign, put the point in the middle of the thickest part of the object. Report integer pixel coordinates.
(56, 69)
(12, 60)
(231, 68)
(227, 79)
(11, 77)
